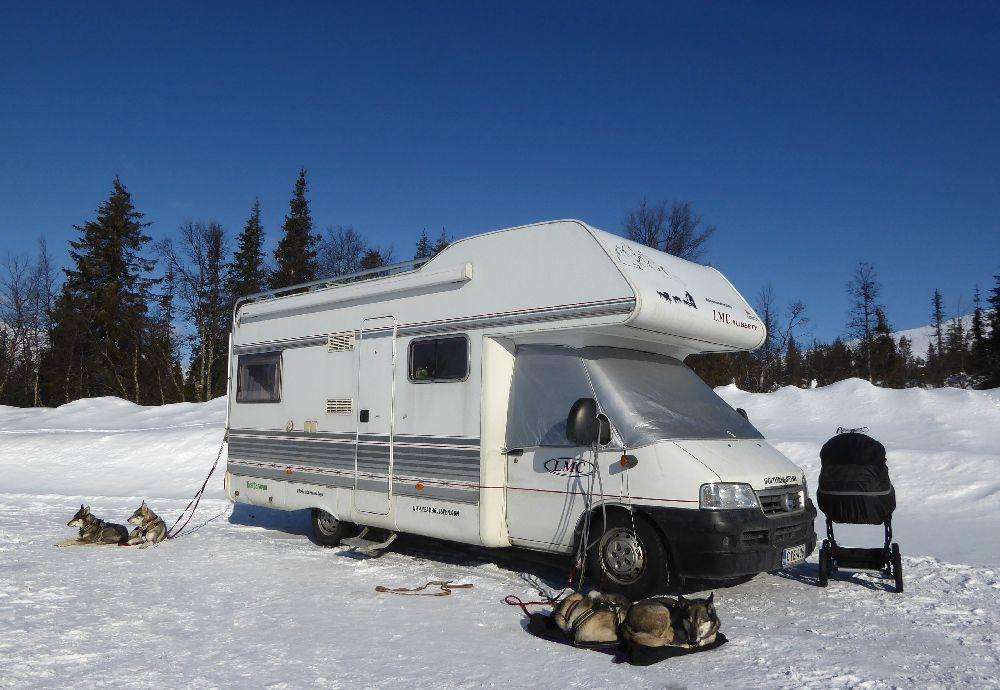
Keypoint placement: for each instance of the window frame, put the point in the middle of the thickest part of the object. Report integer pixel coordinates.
(454, 336)
(279, 377)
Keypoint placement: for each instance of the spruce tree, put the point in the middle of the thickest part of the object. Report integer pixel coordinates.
(100, 322)
(936, 365)
(423, 247)
(793, 363)
(977, 337)
(992, 364)
(906, 359)
(247, 275)
(295, 255)
(886, 362)
(441, 244)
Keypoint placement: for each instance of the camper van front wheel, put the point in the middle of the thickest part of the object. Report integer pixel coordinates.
(628, 557)
(328, 530)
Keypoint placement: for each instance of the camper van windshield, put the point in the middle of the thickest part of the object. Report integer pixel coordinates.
(653, 398)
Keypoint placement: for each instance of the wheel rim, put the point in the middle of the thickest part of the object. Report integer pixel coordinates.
(326, 523)
(622, 556)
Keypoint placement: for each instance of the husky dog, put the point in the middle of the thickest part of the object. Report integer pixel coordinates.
(701, 622)
(150, 528)
(680, 622)
(653, 622)
(591, 619)
(94, 530)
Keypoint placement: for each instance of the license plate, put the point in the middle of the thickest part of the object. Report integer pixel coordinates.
(793, 555)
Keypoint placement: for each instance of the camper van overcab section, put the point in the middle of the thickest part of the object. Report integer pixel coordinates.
(524, 388)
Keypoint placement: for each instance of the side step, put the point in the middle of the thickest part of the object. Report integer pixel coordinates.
(368, 547)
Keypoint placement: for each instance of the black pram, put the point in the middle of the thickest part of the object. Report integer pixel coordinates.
(854, 488)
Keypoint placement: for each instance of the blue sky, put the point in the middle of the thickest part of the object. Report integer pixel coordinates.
(813, 136)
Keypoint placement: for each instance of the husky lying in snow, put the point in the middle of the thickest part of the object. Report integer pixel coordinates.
(95, 531)
(592, 618)
(150, 528)
(680, 622)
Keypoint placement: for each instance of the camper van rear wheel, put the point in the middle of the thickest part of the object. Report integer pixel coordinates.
(328, 530)
(628, 557)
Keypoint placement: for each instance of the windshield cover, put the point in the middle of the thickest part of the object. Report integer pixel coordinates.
(653, 398)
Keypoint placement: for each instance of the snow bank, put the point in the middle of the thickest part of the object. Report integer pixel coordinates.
(943, 448)
(110, 447)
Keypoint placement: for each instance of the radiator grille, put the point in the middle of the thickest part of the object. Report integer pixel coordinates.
(784, 534)
(781, 501)
(340, 342)
(338, 406)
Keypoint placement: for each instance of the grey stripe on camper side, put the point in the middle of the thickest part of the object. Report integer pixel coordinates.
(432, 463)
(408, 489)
(350, 436)
(609, 307)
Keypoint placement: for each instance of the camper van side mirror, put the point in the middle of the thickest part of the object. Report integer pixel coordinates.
(582, 425)
(604, 436)
(743, 413)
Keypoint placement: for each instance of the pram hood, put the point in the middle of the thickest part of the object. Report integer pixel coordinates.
(854, 485)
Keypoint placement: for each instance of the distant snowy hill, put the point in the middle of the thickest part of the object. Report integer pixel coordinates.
(921, 337)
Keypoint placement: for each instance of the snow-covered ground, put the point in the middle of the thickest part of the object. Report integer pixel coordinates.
(245, 598)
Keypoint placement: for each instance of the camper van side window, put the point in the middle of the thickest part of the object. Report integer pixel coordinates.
(258, 378)
(439, 359)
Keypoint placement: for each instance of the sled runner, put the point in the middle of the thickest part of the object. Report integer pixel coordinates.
(543, 626)
(854, 488)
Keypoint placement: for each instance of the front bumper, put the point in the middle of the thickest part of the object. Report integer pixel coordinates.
(722, 544)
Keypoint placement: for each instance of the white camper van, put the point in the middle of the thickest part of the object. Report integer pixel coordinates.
(502, 393)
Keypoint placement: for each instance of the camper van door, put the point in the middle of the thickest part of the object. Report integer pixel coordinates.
(375, 420)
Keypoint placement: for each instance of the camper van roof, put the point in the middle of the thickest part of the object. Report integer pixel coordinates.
(545, 276)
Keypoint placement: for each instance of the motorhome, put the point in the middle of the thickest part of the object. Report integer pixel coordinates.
(523, 388)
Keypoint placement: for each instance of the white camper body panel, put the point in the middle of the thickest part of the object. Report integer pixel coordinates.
(354, 435)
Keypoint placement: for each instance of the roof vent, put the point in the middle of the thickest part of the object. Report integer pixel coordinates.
(340, 342)
(339, 406)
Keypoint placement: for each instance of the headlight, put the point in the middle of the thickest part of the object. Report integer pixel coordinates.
(727, 496)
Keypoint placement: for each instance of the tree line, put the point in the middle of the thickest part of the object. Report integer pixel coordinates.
(957, 355)
(149, 321)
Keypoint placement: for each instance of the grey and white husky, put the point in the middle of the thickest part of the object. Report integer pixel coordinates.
(664, 621)
(94, 531)
(150, 528)
(592, 618)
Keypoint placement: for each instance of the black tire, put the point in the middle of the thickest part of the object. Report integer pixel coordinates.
(897, 568)
(328, 530)
(627, 556)
(824, 564)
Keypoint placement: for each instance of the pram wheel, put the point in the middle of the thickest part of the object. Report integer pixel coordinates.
(897, 568)
(824, 564)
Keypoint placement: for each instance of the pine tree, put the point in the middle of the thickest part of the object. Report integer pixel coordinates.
(372, 259)
(888, 366)
(441, 244)
(100, 320)
(247, 274)
(992, 349)
(295, 255)
(936, 365)
(906, 357)
(423, 247)
(793, 364)
(957, 349)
